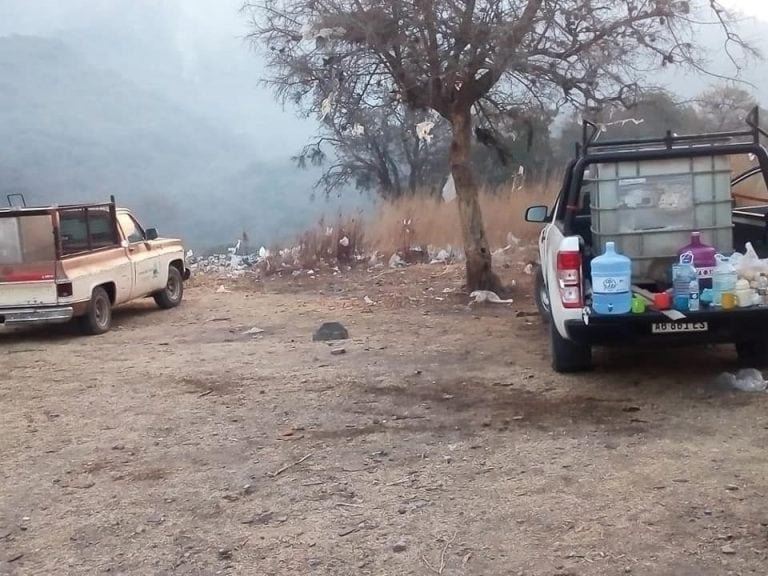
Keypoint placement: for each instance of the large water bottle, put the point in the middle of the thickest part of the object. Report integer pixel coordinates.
(683, 274)
(723, 280)
(703, 259)
(611, 282)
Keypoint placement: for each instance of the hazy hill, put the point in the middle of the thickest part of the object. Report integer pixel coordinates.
(72, 131)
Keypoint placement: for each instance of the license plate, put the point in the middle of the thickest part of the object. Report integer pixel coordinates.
(678, 327)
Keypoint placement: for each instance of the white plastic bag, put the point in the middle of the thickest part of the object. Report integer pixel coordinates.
(746, 380)
(748, 265)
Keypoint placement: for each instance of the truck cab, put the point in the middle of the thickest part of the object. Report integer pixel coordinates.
(590, 210)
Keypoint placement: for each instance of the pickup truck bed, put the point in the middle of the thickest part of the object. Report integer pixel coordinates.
(563, 287)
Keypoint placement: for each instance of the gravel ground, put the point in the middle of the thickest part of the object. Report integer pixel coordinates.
(439, 442)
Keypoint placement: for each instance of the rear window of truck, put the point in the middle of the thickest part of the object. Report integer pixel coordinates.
(84, 229)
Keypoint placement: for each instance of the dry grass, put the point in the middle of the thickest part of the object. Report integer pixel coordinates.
(340, 240)
(420, 220)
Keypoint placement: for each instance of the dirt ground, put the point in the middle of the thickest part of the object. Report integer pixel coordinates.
(440, 442)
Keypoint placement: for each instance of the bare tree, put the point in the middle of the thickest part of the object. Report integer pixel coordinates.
(456, 57)
(377, 149)
(725, 107)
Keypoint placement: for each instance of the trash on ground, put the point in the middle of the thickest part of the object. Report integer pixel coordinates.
(746, 380)
(481, 296)
(223, 290)
(396, 262)
(253, 331)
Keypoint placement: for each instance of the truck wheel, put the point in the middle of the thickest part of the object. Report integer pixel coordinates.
(753, 353)
(568, 356)
(171, 295)
(98, 319)
(541, 295)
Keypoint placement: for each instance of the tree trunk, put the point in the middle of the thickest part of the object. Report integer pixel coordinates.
(480, 276)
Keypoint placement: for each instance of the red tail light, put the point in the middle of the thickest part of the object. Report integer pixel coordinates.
(25, 277)
(569, 278)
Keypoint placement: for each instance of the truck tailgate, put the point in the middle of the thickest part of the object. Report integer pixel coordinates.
(27, 285)
(22, 294)
(27, 260)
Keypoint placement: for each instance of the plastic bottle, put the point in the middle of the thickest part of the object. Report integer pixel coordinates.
(762, 289)
(703, 259)
(683, 274)
(693, 296)
(723, 280)
(611, 282)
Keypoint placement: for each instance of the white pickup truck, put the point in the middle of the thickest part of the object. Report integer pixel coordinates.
(59, 263)
(572, 236)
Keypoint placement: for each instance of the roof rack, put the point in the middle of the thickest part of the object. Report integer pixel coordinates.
(591, 131)
(50, 207)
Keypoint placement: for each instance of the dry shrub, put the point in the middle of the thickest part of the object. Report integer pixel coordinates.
(338, 241)
(422, 220)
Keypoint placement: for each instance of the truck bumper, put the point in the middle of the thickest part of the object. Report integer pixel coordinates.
(36, 316)
(723, 326)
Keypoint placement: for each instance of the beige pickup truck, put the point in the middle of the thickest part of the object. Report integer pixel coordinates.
(59, 263)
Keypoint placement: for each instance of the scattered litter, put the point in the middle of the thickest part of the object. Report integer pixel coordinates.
(528, 270)
(424, 131)
(368, 301)
(441, 257)
(481, 296)
(223, 290)
(396, 262)
(253, 331)
(338, 351)
(449, 189)
(512, 241)
(746, 380)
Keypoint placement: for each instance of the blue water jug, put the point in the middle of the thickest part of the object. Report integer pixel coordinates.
(611, 282)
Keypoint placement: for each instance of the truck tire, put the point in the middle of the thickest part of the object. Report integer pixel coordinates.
(172, 294)
(98, 319)
(753, 353)
(568, 356)
(541, 295)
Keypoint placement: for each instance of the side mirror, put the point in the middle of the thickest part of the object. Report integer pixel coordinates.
(537, 214)
(152, 234)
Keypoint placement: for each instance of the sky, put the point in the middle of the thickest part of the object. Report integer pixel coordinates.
(756, 8)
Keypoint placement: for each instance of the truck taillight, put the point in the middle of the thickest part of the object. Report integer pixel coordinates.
(569, 278)
(64, 289)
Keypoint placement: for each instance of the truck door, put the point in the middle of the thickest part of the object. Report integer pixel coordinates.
(146, 265)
